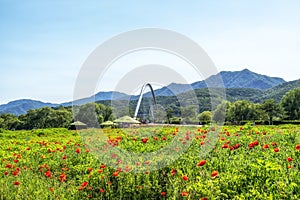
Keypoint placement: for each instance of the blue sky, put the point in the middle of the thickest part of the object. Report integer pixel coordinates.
(44, 43)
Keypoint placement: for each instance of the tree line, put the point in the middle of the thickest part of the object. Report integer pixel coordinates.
(170, 111)
(244, 110)
(92, 114)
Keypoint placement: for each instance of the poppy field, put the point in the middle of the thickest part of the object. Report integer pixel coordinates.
(230, 162)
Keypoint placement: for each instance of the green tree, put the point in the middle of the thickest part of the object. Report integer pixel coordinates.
(291, 104)
(220, 114)
(9, 121)
(205, 116)
(91, 114)
(189, 113)
(242, 110)
(272, 109)
(170, 114)
(59, 118)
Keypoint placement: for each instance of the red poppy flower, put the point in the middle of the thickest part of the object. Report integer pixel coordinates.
(236, 146)
(201, 163)
(8, 166)
(163, 193)
(173, 172)
(64, 157)
(62, 177)
(16, 161)
(148, 162)
(145, 140)
(52, 189)
(28, 148)
(290, 166)
(48, 174)
(6, 173)
(127, 168)
(184, 194)
(102, 191)
(214, 174)
(80, 188)
(84, 184)
(115, 174)
(15, 173)
(16, 183)
(18, 155)
(77, 150)
(289, 159)
(185, 178)
(90, 169)
(224, 146)
(276, 150)
(298, 147)
(274, 144)
(102, 166)
(266, 146)
(119, 169)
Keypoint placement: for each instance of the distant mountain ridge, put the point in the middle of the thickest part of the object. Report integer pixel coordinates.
(231, 79)
(262, 87)
(245, 79)
(100, 96)
(21, 106)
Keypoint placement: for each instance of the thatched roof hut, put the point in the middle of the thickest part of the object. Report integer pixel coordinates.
(77, 125)
(108, 124)
(126, 121)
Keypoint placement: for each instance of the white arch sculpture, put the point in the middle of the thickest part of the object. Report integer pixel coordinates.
(141, 97)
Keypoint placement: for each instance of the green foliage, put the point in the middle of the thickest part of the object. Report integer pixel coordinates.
(9, 121)
(93, 114)
(272, 109)
(189, 113)
(221, 113)
(291, 104)
(243, 110)
(205, 116)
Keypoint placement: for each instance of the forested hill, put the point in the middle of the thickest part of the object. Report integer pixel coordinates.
(278, 91)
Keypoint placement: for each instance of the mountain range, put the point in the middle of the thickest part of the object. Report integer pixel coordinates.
(243, 84)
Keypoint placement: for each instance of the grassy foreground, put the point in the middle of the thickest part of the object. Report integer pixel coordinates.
(260, 162)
